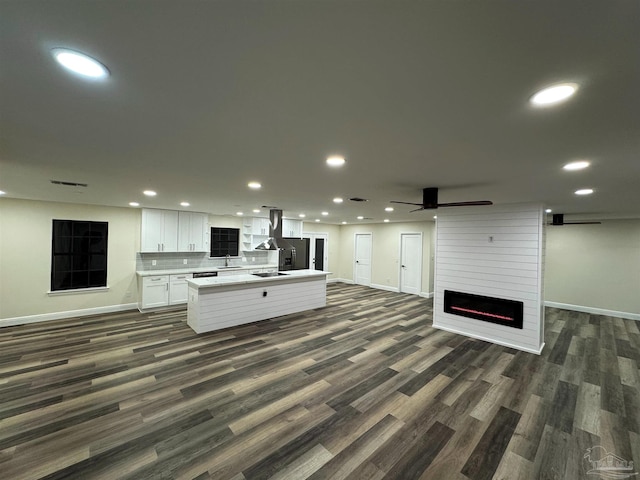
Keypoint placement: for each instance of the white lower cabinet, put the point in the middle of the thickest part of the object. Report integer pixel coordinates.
(162, 290)
(178, 288)
(154, 292)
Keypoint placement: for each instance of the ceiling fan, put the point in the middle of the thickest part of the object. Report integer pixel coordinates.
(430, 201)
(558, 220)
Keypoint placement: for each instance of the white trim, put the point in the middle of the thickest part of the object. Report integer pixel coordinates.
(385, 287)
(44, 317)
(596, 311)
(426, 294)
(491, 340)
(75, 291)
(339, 280)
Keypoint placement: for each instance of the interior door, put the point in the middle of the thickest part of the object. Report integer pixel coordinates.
(362, 268)
(318, 250)
(410, 263)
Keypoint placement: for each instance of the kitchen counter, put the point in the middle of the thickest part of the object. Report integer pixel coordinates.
(248, 279)
(221, 302)
(179, 271)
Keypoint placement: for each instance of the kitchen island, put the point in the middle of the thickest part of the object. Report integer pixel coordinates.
(220, 302)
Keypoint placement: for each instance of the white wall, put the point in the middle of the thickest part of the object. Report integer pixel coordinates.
(496, 252)
(385, 261)
(595, 266)
(25, 257)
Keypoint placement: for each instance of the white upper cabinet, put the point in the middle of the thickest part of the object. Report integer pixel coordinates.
(173, 231)
(291, 228)
(261, 226)
(192, 232)
(159, 231)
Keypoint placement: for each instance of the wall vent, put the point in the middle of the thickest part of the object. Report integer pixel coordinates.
(69, 184)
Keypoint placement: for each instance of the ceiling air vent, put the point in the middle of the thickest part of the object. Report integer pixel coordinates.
(69, 184)
(358, 199)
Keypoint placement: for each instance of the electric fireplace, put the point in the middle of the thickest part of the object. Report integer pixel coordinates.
(488, 309)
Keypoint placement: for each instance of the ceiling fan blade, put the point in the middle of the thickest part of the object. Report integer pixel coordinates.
(465, 204)
(417, 209)
(574, 223)
(406, 203)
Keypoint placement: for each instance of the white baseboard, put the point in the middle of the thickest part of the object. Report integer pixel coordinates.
(491, 340)
(44, 317)
(339, 280)
(385, 287)
(426, 294)
(595, 311)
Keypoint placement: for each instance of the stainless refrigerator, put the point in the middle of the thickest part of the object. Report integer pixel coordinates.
(295, 258)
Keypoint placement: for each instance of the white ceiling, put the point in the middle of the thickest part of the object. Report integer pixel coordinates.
(205, 96)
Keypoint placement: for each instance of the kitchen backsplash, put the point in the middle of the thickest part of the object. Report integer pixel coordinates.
(168, 261)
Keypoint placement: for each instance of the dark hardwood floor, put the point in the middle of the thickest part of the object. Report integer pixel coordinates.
(364, 388)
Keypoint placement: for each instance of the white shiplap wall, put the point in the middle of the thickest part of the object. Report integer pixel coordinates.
(509, 266)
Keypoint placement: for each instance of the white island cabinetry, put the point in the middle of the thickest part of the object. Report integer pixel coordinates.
(216, 303)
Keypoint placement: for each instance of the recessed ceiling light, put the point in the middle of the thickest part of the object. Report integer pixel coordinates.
(184, 204)
(80, 63)
(584, 191)
(301, 215)
(256, 210)
(254, 185)
(548, 210)
(335, 161)
(359, 217)
(576, 165)
(239, 214)
(2, 193)
(317, 219)
(386, 220)
(388, 209)
(150, 193)
(325, 213)
(134, 204)
(337, 200)
(435, 216)
(344, 223)
(554, 94)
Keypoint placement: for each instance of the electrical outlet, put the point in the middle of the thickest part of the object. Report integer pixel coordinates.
(153, 262)
(184, 262)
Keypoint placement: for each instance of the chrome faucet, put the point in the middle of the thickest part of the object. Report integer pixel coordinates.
(227, 260)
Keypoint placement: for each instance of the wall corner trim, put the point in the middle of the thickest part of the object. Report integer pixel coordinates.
(594, 310)
(44, 317)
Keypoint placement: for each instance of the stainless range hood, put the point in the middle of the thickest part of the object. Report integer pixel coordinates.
(275, 240)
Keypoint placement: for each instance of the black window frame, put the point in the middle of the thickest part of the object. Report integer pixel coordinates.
(79, 257)
(224, 241)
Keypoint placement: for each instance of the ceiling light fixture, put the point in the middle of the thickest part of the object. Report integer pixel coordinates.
(576, 165)
(301, 215)
(435, 216)
(336, 161)
(554, 94)
(337, 200)
(134, 204)
(388, 209)
(239, 214)
(2, 193)
(80, 63)
(360, 217)
(254, 185)
(584, 191)
(317, 219)
(344, 223)
(548, 210)
(386, 220)
(150, 193)
(184, 204)
(325, 214)
(256, 210)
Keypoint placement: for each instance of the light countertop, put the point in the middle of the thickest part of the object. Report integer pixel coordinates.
(250, 279)
(180, 271)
